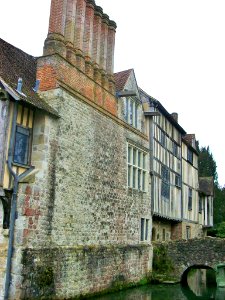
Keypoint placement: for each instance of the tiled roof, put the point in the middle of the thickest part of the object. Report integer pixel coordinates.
(206, 185)
(121, 79)
(15, 63)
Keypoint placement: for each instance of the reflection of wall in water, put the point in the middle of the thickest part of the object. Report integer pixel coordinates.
(197, 281)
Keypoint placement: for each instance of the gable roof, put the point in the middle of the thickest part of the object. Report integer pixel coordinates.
(15, 64)
(121, 79)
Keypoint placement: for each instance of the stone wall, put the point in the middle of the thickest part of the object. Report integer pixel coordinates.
(161, 230)
(59, 273)
(79, 200)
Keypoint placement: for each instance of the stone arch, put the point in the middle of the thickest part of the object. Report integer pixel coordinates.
(196, 266)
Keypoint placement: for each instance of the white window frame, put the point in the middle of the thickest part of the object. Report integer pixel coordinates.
(136, 168)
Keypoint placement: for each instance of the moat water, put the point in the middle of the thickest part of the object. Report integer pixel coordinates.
(164, 292)
(199, 287)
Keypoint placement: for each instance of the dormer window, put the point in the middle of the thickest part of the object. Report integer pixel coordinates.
(132, 112)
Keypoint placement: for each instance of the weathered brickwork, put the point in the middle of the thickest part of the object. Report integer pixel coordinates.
(54, 69)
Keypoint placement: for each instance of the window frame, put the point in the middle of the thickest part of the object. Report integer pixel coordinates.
(132, 107)
(136, 168)
(20, 127)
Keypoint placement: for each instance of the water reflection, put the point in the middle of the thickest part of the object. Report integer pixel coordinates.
(202, 283)
(166, 292)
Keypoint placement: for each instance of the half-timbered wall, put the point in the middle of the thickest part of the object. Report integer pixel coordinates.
(166, 168)
(190, 185)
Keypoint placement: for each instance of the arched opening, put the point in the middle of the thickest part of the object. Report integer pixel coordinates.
(200, 281)
(153, 234)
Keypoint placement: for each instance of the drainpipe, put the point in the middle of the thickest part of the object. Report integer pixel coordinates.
(17, 179)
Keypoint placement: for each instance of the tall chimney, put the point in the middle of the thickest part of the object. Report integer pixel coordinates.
(79, 51)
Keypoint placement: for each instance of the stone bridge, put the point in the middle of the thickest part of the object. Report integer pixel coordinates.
(172, 260)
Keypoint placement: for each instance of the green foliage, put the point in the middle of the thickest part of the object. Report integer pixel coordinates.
(219, 205)
(45, 277)
(218, 230)
(207, 167)
(161, 262)
(207, 164)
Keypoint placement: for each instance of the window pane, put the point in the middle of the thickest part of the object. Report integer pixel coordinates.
(142, 229)
(21, 149)
(139, 179)
(134, 177)
(131, 112)
(144, 159)
(134, 156)
(136, 114)
(143, 181)
(146, 229)
(129, 175)
(139, 159)
(129, 154)
(127, 110)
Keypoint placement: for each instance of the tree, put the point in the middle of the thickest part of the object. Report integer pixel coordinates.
(207, 165)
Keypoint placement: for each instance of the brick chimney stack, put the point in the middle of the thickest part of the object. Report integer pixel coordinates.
(82, 35)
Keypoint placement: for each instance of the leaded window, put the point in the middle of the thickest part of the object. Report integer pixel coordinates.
(22, 145)
(165, 188)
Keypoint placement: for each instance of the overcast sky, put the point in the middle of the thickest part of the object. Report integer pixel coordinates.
(176, 47)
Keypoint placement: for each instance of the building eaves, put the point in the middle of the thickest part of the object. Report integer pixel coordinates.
(163, 111)
(15, 64)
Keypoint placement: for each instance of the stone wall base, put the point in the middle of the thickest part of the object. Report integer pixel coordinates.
(71, 272)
